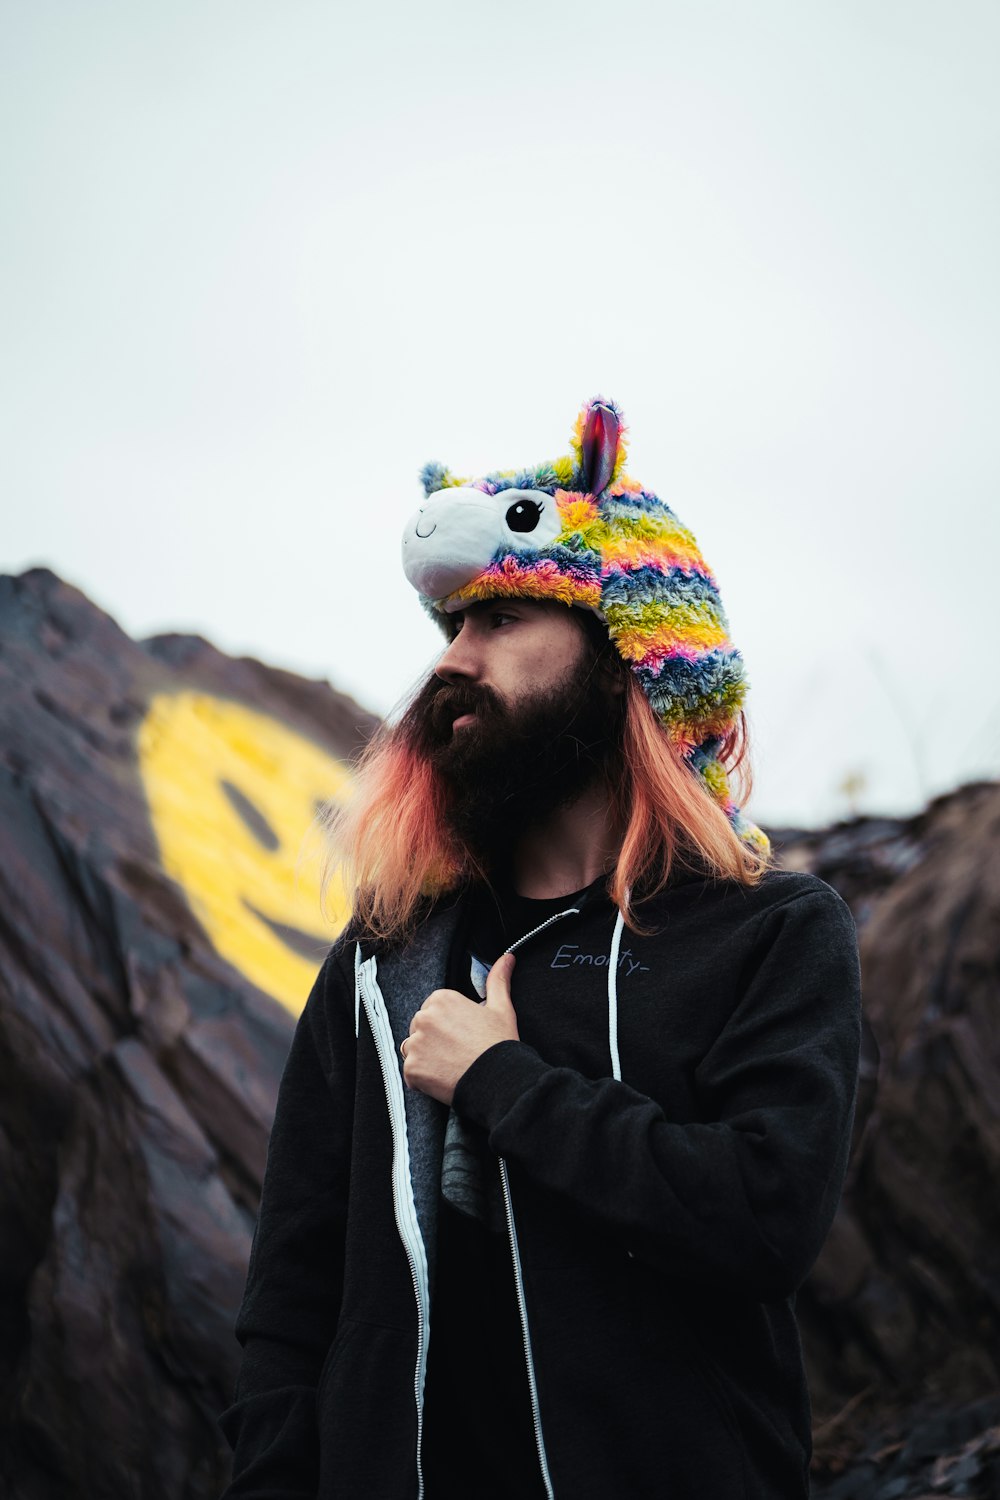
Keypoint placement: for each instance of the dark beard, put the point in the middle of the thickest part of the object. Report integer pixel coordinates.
(518, 763)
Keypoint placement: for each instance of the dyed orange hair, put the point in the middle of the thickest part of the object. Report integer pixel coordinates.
(391, 841)
(669, 817)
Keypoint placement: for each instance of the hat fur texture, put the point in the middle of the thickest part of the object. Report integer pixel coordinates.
(580, 531)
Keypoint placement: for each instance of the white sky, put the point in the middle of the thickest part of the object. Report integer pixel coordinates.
(262, 261)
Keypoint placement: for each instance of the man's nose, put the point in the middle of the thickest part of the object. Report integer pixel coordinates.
(459, 662)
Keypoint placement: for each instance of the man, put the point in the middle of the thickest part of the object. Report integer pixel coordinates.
(548, 1244)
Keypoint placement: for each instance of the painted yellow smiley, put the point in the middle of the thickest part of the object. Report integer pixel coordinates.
(233, 795)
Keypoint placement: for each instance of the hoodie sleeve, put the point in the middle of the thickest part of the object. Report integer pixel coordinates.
(745, 1197)
(291, 1302)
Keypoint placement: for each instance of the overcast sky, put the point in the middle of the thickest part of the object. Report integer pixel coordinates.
(262, 261)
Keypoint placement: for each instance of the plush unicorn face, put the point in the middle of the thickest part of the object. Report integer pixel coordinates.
(458, 532)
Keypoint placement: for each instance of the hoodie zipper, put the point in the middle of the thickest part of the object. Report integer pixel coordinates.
(571, 911)
(522, 1309)
(404, 1208)
(515, 1254)
(402, 1190)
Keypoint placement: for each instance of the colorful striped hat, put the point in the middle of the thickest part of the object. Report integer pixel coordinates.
(580, 531)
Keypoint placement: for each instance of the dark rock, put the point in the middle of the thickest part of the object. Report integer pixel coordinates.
(929, 1439)
(138, 1063)
(856, 1484)
(903, 1306)
(893, 1489)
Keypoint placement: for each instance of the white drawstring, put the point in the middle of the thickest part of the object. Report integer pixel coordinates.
(357, 988)
(616, 942)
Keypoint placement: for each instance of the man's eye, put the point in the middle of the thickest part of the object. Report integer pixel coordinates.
(501, 616)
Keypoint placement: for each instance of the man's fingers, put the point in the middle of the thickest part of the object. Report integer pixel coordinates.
(498, 982)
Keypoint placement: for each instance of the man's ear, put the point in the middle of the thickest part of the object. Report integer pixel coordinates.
(614, 678)
(612, 669)
(602, 447)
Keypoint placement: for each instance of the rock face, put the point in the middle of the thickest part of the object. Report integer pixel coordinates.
(901, 1316)
(158, 936)
(139, 1058)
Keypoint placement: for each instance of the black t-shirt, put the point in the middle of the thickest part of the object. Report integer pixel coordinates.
(479, 1436)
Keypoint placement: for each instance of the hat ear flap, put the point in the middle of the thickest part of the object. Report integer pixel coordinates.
(602, 446)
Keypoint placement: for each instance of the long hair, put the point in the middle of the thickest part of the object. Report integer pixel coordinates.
(670, 818)
(392, 841)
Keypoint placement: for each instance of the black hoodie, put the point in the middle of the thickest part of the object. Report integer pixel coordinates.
(672, 1132)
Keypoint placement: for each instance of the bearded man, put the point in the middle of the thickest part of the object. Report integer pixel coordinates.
(566, 1117)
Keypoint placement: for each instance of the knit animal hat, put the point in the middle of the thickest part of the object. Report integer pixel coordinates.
(578, 530)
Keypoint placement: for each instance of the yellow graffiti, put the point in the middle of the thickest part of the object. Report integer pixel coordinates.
(233, 797)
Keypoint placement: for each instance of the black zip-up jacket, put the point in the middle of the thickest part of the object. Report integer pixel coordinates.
(672, 1132)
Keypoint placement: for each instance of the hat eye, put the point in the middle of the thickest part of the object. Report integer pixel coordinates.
(524, 515)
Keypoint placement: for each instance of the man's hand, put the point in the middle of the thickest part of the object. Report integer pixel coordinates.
(450, 1031)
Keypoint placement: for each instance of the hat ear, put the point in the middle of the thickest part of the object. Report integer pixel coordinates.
(436, 477)
(602, 446)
